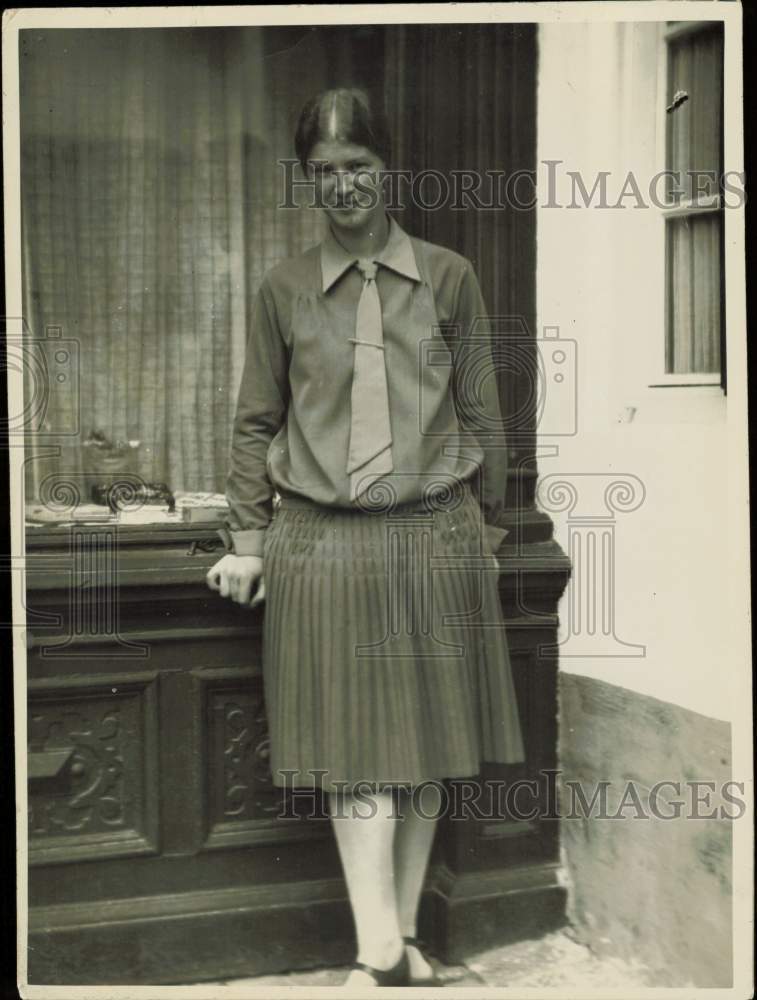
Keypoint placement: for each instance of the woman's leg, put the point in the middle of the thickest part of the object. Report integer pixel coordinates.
(364, 828)
(412, 847)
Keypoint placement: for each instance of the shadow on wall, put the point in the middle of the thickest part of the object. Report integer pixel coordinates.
(644, 888)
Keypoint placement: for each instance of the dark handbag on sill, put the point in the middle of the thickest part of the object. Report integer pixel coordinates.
(128, 496)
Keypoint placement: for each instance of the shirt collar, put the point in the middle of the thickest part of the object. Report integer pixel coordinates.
(397, 255)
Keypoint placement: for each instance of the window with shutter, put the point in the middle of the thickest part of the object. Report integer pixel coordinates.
(694, 330)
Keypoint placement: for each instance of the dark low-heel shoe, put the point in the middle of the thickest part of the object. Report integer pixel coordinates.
(398, 975)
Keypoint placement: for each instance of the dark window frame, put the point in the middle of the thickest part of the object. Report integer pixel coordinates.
(680, 207)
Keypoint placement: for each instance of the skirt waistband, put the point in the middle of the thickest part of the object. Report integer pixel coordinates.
(432, 502)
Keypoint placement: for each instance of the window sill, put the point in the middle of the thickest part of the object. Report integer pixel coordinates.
(676, 403)
(688, 382)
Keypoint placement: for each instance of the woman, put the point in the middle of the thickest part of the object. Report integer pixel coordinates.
(368, 403)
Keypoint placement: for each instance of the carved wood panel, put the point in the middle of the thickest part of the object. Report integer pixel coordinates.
(242, 804)
(92, 768)
(240, 785)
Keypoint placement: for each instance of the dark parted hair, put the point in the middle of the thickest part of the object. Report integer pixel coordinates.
(358, 120)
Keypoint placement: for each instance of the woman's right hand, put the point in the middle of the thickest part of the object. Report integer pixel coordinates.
(234, 576)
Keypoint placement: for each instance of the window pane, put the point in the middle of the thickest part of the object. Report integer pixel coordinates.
(695, 126)
(694, 299)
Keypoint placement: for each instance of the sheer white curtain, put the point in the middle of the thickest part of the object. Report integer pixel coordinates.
(149, 192)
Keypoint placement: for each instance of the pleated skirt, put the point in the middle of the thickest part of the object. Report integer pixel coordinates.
(385, 656)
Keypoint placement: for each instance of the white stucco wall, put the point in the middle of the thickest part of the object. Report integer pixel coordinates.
(601, 281)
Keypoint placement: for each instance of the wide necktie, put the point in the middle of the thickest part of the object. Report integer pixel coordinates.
(370, 450)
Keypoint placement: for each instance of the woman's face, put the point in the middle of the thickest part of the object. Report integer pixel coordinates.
(347, 183)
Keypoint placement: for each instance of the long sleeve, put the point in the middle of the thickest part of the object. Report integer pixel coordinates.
(260, 413)
(477, 400)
